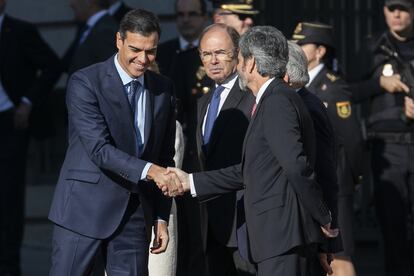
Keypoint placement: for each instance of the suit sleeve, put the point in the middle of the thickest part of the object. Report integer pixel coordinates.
(89, 123)
(283, 133)
(38, 52)
(211, 184)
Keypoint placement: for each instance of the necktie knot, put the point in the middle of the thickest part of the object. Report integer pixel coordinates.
(218, 91)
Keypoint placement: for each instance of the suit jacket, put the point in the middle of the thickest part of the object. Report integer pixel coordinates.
(283, 204)
(325, 165)
(99, 45)
(27, 66)
(120, 12)
(101, 166)
(219, 215)
(333, 91)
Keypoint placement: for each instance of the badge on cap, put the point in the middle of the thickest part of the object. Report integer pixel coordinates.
(387, 71)
(343, 109)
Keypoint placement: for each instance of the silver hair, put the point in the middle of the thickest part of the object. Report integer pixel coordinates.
(297, 66)
(268, 46)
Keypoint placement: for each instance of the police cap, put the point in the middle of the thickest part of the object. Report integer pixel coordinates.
(403, 3)
(313, 32)
(241, 7)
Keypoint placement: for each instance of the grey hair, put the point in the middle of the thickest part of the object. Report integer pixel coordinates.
(268, 46)
(297, 66)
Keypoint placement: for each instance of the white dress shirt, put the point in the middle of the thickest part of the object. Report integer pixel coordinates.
(184, 43)
(314, 72)
(223, 96)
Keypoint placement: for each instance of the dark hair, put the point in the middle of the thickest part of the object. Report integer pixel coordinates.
(233, 34)
(139, 21)
(203, 6)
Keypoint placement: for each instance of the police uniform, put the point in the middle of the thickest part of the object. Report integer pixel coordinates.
(391, 137)
(332, 90)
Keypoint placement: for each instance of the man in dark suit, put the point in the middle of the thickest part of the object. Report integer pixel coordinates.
(94, 41)
(219, 143)
(286, 216)
(118, 9)
(27, 66)
(326, 158)
(121, 122)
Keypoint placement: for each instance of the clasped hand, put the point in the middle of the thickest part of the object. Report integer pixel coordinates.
(171, 181)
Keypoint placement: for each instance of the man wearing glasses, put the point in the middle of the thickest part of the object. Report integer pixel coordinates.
(223, 117)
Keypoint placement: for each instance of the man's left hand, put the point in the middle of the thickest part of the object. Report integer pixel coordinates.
(21, 116)
(161, 238)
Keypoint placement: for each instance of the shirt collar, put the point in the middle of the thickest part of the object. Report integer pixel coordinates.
(1, 19)
(230, 82)
(263, 89)
(94, 18)
(314, 72)
(184, 43)
(126, 79)
(114, 7)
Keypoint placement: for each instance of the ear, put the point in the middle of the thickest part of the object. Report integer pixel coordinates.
(286, 78)
(251, 64)
(320, 52)
(119, 41)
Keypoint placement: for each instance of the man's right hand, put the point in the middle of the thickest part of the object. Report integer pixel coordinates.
(165, 181)
(393, 84)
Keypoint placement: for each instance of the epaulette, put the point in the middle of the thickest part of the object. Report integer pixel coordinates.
(332, 77)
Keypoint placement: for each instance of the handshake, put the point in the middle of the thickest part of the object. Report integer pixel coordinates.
(171, 181)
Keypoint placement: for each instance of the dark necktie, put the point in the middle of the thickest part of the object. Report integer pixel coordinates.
(133, 96)
(212, 113)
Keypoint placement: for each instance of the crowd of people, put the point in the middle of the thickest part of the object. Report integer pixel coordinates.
(234, 148)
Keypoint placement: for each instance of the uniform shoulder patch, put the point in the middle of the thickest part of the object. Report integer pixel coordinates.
(332, 77)
(344, 109)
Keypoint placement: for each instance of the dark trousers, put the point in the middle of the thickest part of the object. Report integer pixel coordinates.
(124, 253)
(226, 261)
(190, 255)
(298, 262)
(393, 173)
(13, 152)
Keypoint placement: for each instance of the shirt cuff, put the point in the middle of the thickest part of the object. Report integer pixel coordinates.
(145, 171)
(192, 187)
(159, 219)
(26, 101)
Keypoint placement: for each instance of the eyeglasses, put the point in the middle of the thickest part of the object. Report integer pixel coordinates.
(220, 54)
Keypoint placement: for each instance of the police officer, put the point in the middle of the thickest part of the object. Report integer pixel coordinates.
(391, 132)
(238, 14)
(316, 40)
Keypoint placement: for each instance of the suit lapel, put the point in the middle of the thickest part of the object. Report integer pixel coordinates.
(115, 93)
(232, 100)
(149, 108)
(252, 120)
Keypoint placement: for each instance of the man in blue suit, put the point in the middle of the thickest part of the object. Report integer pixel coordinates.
(121, 124)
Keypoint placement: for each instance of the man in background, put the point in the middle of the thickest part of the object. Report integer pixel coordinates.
(27, 75)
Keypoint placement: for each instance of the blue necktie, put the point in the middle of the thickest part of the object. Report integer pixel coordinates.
(133, 97)
(212, 114)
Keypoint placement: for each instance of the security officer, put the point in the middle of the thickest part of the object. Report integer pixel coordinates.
(391, 132)
(238, 14)
(316, 40)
